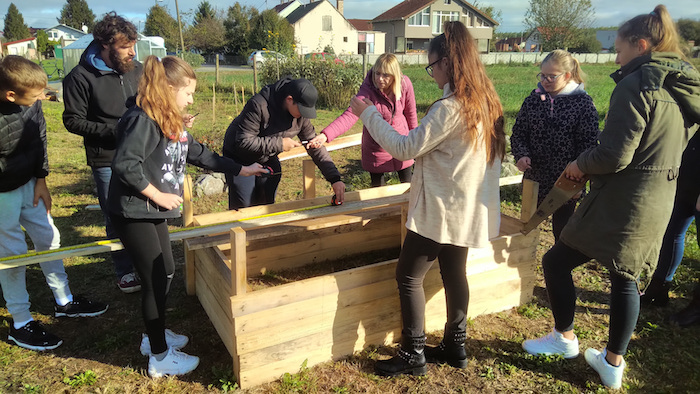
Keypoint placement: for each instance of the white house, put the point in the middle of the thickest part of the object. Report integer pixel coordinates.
(319, 24)
(64, 34)
(26, 47)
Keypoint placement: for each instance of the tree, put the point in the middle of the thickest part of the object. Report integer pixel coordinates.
(207, 35)
(204, 11)
(76, 13)
(270, 31)
(43, 44)
(160, 23)
(689, 30)
(589, 43)
(15, 29)
(238, 26)
(561, 23)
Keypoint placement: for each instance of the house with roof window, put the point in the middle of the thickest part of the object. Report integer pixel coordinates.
(26, 47)
(319, 24)
(411, 24)
(65, 34)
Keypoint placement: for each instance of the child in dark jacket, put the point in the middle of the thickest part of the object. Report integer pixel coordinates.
(25, 202)
(556, 122)
(146, 189)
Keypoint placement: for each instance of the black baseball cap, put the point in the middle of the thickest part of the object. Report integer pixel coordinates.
(305, 96)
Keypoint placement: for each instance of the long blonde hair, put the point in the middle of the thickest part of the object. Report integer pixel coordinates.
(155, 92)
(566, 62)
(388, 63)
(472, 88)
(656, 27)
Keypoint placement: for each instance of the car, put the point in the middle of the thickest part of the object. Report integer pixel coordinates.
(323, 56)
(259, 57)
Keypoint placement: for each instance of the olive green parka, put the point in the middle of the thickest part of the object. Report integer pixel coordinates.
(654, 111)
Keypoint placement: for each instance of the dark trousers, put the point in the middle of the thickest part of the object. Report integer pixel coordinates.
(379, 179)
(560, 217)
(417, 256)
(558, 263)
(148, 244)
(248, 191)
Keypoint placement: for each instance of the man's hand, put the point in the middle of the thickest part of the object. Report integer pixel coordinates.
(288, 143)
(253, 169)
(358, 106)
(41, 191)
(317, 141)
(339, 191)
(574, 173)
(523, 164)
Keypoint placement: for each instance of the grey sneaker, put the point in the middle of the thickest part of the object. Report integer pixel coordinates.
(173, 340)
(174, 363)
(552, 343)
(610, 375)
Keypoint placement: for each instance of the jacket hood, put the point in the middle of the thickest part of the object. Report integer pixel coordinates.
(571, 89)
(668, 70)
(275, 93)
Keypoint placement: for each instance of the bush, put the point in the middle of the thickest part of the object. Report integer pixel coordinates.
(193, 59)
(336, 83)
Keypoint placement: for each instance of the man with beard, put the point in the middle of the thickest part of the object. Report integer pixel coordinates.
(96, 93)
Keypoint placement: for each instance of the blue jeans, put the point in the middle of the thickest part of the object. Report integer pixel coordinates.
(17, 210)
(121, 260)
(674, 239)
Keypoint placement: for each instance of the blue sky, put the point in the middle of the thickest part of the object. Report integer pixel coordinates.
(43, 13)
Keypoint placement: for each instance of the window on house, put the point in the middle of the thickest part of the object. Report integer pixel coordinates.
(439, 17)
(327, 23)
(448, 1)
(409, 45)
(362, 37)
(345, 39)
(468, 18)
(422, 18)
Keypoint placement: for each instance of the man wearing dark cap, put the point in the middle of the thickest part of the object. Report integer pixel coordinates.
(265, 128)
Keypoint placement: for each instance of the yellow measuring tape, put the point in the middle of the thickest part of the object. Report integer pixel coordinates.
(112, 241)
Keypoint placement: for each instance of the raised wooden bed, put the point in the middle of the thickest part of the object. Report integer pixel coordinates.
(273, 330)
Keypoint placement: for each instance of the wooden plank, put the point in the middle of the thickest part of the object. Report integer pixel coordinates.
(338, 143)
(308, 175)
(529, 203)
(189, 271)
(223, 326)
(210, 269)
(404, 219)
(510, 180)
(239, 261)
(187, 206)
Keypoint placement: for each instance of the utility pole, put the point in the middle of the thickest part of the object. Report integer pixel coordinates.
(179, 25)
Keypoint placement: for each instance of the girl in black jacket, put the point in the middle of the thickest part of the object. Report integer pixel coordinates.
(146, 189)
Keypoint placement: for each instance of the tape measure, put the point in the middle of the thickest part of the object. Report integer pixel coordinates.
(564, 189)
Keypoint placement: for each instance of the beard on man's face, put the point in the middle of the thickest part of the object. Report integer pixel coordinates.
(122, 65)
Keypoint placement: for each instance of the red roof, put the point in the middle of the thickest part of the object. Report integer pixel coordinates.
(361, 24)
(18, 41)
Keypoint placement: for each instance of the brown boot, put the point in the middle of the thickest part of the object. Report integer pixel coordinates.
(689, 315)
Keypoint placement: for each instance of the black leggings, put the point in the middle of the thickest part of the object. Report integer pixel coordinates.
(378, 178)
(148, 244)
(416, 258)
(560, 217)
(558, 263)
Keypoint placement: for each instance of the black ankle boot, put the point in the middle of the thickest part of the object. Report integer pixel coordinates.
(656, 293)
(410, 359)
(450, 351)
(689, 315)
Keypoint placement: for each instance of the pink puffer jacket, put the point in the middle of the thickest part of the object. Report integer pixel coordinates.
(400, 114)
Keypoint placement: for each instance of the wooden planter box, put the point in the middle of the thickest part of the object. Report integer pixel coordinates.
(274, 330)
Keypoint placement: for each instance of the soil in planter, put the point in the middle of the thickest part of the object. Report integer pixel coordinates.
(276, 278)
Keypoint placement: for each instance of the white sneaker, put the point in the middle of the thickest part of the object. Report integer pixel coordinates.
(552, 343)
(609, 374)
(174, 363)
(173, 340)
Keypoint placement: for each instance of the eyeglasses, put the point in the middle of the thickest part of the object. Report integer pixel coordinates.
(429, 69)
(548, 78)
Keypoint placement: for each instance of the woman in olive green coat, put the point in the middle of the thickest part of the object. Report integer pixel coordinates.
(654, 110)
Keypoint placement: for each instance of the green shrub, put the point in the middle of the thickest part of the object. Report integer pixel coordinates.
(193, 59)
(336, 83)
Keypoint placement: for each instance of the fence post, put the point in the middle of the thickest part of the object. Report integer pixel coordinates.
(255, 76)
(213, 103)
(217, 67)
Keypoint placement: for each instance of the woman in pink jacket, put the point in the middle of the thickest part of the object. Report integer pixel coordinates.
(392, 94)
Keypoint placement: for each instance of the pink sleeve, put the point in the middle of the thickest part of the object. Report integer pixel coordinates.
(409, 97)
(347, 119)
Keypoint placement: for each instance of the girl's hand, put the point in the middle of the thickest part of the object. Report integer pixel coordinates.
(523, 164)
(573, 172)
(359, 106)
(253, 169)
(167, 200)
(317, 141)
(188, 120)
